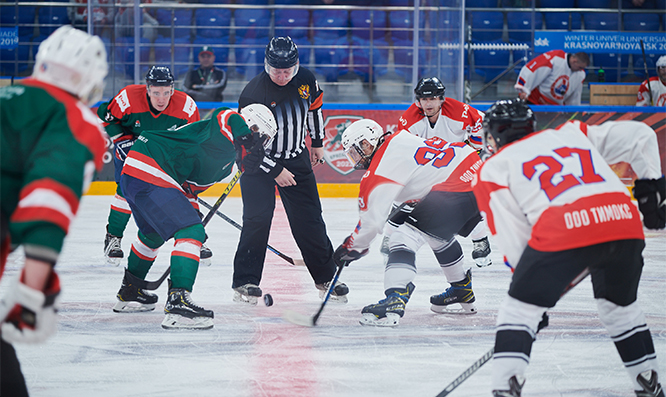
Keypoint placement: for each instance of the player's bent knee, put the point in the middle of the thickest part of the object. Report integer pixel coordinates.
(516, 312)
(194, 232)
(151, 240)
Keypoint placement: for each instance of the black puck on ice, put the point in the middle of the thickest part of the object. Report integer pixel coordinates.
(268, 300)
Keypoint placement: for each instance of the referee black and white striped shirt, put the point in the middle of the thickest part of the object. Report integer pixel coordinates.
(297, 109)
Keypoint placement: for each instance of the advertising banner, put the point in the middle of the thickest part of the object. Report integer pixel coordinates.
(599, 42)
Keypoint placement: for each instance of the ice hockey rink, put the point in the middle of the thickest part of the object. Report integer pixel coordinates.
(253, 351)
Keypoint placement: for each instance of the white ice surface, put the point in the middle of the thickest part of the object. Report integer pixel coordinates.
(252, 351)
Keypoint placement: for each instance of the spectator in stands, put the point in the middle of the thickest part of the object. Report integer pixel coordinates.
(207, 82)
(653, 91)
(124, 22)
(553, 78)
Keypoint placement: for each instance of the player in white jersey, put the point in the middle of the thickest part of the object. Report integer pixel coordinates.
(407, 169)
(653, 91)
(434, 115)
(558, 210)
(553, 78)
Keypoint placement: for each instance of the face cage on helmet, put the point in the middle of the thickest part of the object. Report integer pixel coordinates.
(358, 158)
(268, 68)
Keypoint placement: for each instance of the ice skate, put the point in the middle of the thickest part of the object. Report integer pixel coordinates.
(388, 311)
(182, 313)
(112, 249)
(248, 293)
(132, 299)
(515, 388)
(205, 256)
(481, 252)
(339, 293)
(650, 384)
(459, 292)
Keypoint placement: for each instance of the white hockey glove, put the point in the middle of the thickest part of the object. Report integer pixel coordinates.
(29, 315)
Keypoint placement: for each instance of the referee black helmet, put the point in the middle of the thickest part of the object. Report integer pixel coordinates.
(281, 53)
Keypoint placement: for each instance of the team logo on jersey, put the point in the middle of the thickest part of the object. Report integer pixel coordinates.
(137, 124)
(273, 104)
(334, 153)
(560, 87)
(109, 117)
(304, 91)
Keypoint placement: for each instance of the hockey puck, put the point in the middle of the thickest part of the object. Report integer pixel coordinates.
(268, 300)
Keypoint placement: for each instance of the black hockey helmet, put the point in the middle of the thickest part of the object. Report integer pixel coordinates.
(507, 121)
(281, 53)
(159, 76)
(429, 87)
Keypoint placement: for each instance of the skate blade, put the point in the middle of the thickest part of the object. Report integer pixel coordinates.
(333, 298)
(248, 300)
(484, 261)
(176, 321)
(298, 318)
(114, 261)
(369, 319)
(132, 307)
(466, 308)
(205, 262)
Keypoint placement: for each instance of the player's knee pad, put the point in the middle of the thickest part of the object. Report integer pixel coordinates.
(620, 319)
(151, 240)
(520, 315)
(194, 232)
(406, 238)
(448, 253)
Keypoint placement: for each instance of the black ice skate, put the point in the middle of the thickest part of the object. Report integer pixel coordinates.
(182, 313)
(339, 293)
(205, 256)
(248, 293)
(481, 252)
(515, 388)
(112, 249)
(387, 312)
(132, 298)
(459, 292)
(650, 384)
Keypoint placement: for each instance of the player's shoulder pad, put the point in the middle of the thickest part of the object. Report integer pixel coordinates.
(411, 116)
(182, 105)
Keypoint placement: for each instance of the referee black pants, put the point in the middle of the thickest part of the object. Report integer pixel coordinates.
(303, 208)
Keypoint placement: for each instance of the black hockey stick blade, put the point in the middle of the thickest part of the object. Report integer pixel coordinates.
(305, 321)
(296, 262)
(147, 285)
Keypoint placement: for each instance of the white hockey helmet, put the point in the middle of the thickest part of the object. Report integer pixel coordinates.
(360, 141)
(74, 61)
(259, 118)
(661, 62)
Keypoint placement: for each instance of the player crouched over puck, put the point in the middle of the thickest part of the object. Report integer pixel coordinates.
(532, 186)
(159, 173)
(427, 176)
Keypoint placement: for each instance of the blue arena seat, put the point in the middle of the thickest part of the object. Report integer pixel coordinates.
(481, 3)
(594, 4)
(519, 25)
(180, 20)
(403, 53)
(361, 20)
(601, 21)
(330, 24)
(361, 63)
(51, 18)
(486, 26)
(641, 22)
(304, 49)
(639, 65)
(402, 24)
(609, 63)
(328, 55)
(560, 20)
(490, 63)
(181, 50)
(212, 22)
(249, 53)
(292, 23)
(25, 18)
(557, 4)
(252, 23)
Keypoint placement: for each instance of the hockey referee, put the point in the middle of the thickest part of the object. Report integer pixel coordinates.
(294, 96)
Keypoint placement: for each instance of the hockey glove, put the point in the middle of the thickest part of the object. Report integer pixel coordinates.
(28, 315)
(399, 214)
(123, 147)
(343, 255)
(250, 152)
(651, 197)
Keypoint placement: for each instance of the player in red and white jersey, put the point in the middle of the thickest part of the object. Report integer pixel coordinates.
(553, 78)
(433, 178)
(433, 115)
(558, 210)
(655, 93)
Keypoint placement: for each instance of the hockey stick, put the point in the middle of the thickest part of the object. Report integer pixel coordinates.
(295, 262)
(153, 285)
(301, 319)
(489, 354)
(647, 74)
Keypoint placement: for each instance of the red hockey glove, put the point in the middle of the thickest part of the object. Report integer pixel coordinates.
(28, 315)
(343, 255)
